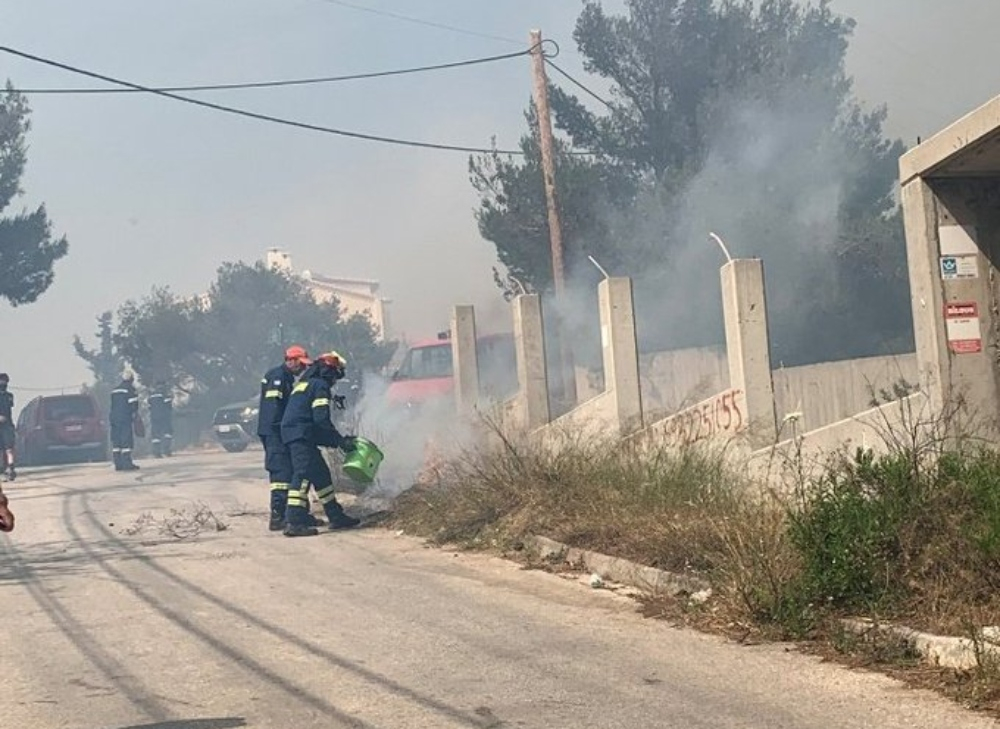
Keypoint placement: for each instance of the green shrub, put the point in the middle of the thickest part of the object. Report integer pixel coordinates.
(848, 531)
(877, 532)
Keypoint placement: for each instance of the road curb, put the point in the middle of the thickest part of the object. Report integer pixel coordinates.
(940, 650)
(650, 579)
(944, 651)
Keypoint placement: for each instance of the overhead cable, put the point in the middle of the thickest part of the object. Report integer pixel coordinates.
(579, 84)
(420, 21)
(287, 82)
(255, 115)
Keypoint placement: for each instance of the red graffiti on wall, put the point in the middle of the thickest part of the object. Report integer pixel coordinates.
(720, 416)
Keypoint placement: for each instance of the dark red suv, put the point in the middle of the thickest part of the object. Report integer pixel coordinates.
(63, 428)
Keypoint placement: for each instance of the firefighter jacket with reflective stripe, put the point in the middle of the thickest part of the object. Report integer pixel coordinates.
(124, 404)
(274, 391)
(161, 407)
(307, 416)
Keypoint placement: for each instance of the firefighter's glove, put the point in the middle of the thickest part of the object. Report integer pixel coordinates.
(348, 443)
(340, 402)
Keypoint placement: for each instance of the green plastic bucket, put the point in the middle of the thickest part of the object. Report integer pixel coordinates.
(362, 463)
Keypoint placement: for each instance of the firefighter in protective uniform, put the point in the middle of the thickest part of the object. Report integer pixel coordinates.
(7, 431)
(122, 418)
(305, 427)
(275, 388)
(161, 420)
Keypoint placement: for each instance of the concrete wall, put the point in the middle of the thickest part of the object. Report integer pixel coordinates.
(465, 357)
(824, 393)
(720, 418)
(620, 351)
(672, 381)
(801, 458)
(530, 405)
(950, 192)
(948, 216)
(596, 418)
(618, 410)
(831, 391)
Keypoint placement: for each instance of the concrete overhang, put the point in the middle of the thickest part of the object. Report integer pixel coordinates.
(970, 147)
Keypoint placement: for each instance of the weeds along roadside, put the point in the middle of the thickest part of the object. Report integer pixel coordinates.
(910, 534)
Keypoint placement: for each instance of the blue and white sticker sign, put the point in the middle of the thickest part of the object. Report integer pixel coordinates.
(959, 267)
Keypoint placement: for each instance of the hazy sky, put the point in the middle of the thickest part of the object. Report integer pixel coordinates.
(153, 192)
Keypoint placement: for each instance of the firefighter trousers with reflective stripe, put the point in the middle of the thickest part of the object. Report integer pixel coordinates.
(122, 438)
(278, 464)
(309, 468)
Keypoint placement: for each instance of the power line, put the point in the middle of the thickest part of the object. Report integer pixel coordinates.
(579, 84)
(288, 82)
(420, 21)
(255, 115)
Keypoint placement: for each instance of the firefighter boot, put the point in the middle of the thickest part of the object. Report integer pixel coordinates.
(116, 457)
(279, 502)
(313, 520)
(297, 514)
(127, 463)
(338, 519)
(299, 530)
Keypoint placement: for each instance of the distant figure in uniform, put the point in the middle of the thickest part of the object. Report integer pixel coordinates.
(161, 420)
(123, 418)
(7, 434)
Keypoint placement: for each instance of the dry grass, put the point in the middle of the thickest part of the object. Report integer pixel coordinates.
(595, 495)
(912, 537)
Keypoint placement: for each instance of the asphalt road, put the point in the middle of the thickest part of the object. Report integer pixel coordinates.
(124, 606)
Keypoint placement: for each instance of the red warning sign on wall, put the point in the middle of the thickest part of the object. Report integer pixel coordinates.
(961, 320)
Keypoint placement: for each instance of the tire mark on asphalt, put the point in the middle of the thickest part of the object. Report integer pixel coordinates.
(109, 666)
(468, 718)
(236, 657)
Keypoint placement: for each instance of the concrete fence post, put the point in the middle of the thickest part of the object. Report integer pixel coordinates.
(620, 351)
(532, 377)
(465, 357)
(748, 345)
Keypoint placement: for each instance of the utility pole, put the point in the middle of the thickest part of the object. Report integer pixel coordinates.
(566, 367)
(548, 160)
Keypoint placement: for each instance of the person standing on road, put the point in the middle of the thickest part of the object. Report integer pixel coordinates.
(161, 420)
(123, 418)
(275, 389)
(7, 432)
(305, 427)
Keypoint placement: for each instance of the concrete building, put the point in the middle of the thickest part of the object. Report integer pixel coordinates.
(356, 296)
(951, 204)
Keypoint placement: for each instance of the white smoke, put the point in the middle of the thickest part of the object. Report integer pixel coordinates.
(409, 436)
